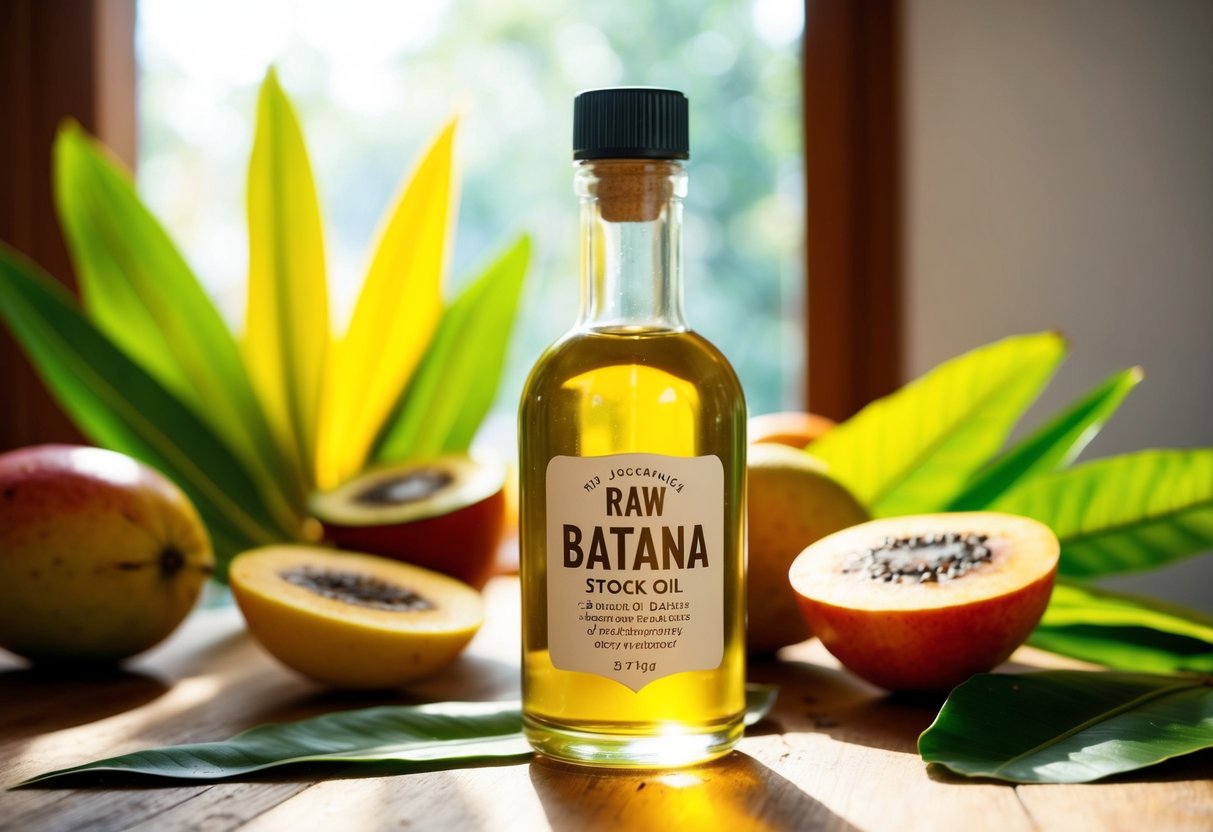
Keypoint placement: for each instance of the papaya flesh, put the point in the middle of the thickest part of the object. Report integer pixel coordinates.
(353, 621)
(924, 602)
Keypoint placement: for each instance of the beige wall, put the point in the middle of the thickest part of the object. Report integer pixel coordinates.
(1060, 175)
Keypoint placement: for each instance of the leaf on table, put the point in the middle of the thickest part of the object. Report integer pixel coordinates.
(1055, 445)
(1068, 726)
(1124, 631)
(396, 314)
(423, 734)
(914, 450)
(139, 291)
(458, 378)
(119, 405)
(411, 738)
(287, 325)
(1124, 513)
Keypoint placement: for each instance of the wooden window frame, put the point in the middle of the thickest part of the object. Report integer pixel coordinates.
(76, 58)
(59, 59)
(853, 136)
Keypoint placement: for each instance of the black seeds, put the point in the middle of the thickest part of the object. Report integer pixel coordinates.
(929, 558)
(355, 588)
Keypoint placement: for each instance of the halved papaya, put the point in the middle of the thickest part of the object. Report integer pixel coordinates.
(352, 620)
(924, 602)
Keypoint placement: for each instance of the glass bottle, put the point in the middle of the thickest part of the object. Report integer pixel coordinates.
(632, 466)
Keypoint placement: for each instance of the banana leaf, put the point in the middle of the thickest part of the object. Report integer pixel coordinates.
(119, 405)
(1055, 445)
(403, 738)
(458, 378)
(1068, 726)
(1123, 631)
(138, 290)
(287, 325)
(397, 311)
(915, 450)
(1124, 513)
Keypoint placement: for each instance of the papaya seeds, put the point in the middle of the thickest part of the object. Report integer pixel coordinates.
(353, 621)
(446, 514)
(924, 602)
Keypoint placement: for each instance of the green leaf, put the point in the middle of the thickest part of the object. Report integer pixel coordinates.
(399, 308)
(914, 450)
(458, 377)
(1124, 631)
(1124, 513)
(411, 738)
(119, 405)
(1068, 726)
(1055, 445)
(287, 324)
(137, 288)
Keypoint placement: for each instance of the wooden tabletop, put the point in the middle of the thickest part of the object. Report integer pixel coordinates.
(834, 754)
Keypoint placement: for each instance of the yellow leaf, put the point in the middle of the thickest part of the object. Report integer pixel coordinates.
(395, 317)
(287, 328)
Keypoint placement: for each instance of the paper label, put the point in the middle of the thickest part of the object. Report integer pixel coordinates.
(635, 565)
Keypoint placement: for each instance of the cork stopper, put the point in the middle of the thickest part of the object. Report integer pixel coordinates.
(633, 190)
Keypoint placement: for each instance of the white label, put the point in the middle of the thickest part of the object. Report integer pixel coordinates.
(635, 557)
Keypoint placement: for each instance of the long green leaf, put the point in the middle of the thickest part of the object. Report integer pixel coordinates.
(1125, 513)
(137, 288)
(1055, 445)
(1068, 726)
(1125, 632)
(410, 738)
(914, 450)
(287, 331)
(398, 310)
(121, 406)
(458, 377)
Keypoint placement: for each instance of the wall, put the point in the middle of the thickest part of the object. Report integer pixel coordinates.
(1059, 164)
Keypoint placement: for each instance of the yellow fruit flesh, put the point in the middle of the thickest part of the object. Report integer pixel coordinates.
(345, 644)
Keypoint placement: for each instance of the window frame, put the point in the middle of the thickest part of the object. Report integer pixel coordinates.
(76, 58)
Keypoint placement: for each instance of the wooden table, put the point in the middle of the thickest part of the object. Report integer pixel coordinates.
(835, 754)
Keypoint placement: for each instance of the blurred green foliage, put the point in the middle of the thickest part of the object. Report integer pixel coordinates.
(374, 81)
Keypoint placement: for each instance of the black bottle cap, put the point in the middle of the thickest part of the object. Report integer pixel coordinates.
(630, 123)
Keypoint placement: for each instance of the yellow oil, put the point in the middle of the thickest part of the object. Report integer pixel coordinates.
(634, 390)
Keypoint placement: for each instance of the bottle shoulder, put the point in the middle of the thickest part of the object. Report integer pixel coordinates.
(682, 353)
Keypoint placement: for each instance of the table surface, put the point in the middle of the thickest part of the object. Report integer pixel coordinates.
(834, 754)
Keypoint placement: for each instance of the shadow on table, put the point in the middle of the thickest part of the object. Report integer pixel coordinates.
(1197, 766)
(39, 701)
(734, 793)
(824, 700)
(470, 678)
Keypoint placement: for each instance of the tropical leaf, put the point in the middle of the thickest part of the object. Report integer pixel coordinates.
(1124, 513)
(1125, 632)
(287, 329)
(457, 380)
(121, 406)
(395, 317)
(1068, 726)
(408, 738)
(914, 450)
(1055, 445)
(137, 288)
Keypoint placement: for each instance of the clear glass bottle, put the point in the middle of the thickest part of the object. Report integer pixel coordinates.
(632, 465)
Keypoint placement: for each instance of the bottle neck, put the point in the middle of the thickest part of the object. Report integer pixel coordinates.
(631, 244)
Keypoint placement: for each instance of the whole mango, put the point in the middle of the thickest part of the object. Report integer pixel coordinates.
(101, 557)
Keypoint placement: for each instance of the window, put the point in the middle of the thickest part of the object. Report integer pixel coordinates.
(374, 80)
